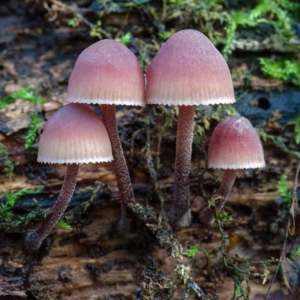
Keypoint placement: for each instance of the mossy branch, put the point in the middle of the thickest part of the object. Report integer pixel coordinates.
(166, 238)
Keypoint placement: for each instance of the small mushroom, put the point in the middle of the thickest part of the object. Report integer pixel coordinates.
(108, 73)
(187, 71)
(73, 135)
(234, 145)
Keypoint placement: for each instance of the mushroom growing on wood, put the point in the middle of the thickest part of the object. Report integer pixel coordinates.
(234, 145)
(72, 136)
(108, 73)
(187, 71)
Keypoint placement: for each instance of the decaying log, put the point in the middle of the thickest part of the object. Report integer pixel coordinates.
(95, 261)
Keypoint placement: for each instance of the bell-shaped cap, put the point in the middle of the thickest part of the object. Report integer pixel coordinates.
(74, 134)
(107, 72)
(235, 145)
(189, 70)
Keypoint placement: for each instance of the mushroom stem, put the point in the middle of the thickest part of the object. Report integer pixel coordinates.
(35, 238)
(225, 188)
(206, 215)
(119, 162)
(184, 141)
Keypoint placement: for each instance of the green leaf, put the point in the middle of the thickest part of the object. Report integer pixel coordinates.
(191, 252)
(164, 35)
(296, 252)
(125, 39)
(72, 22)
(64, 225)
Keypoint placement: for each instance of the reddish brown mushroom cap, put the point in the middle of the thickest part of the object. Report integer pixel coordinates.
(189, 70)
(74, 134)
(235, 145)
(107, 73)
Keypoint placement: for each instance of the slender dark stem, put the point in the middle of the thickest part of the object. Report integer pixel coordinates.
(184, 141)
(35, 238)
(119, 162)
(291, 222)
(206, 215)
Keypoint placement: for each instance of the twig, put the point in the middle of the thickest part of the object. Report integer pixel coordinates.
(151, 169)
(166, 238)
(64, 7)
(294, 205)
(240, 273)
(161, 133)
(286, 231)
(280, 259)
(133, 137)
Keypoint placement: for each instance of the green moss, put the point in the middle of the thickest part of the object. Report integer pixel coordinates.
(220, 20)
(283, 190)
(237, 19)
(280, 14)
(6, 162)
(6, 213)
(32, 132)
(30, 95)
(27, 94)
(286, 70)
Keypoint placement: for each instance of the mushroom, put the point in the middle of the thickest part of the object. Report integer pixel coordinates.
(72, 136)
(234, 145)
(187, 71)
(108, 73)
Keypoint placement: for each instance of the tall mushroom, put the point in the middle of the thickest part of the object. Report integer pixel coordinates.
(108, 73)
(234, 145)
(72, 136)
(187, 71)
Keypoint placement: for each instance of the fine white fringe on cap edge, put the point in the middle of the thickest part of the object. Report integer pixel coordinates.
(72, 161)
(107, 101)
(189, 102)
(238, 167)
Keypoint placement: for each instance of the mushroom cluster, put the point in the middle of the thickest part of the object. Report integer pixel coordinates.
(187, 71)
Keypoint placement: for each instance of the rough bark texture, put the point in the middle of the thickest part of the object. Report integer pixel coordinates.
(94, 261)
